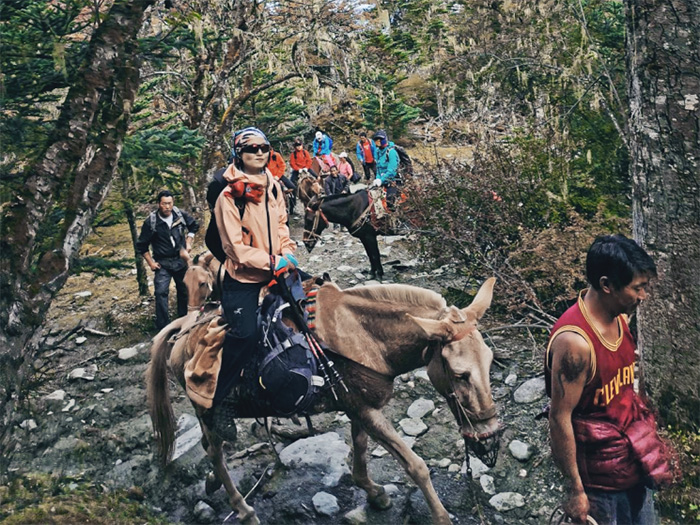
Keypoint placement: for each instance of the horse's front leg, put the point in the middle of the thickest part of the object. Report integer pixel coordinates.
(213, 444)
(381, 430)
(376, 495)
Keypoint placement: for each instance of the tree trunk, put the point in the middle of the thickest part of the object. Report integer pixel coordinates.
(663, 45)
(47, 223)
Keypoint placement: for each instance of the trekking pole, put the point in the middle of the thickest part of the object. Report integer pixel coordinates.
(336, 375)
(326, 378)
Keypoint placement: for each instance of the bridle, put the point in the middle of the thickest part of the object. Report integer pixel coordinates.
(477, 442)
(318, 216)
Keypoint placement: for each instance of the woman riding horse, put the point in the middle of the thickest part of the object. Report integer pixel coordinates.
(252, 224)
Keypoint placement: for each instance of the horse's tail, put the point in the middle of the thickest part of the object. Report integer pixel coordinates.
(159, 406)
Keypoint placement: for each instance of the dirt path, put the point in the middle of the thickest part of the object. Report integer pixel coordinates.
(95, 427)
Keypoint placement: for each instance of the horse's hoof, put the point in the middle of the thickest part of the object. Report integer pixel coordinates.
(212, 484)
(381, 501)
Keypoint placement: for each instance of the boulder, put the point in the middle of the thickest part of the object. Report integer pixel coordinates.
(531, 390)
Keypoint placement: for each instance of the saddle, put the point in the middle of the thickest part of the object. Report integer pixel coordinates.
(281, 377)
(381, 217)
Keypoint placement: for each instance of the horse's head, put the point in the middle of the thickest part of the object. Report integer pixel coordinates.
(460, 372)
(314, 223)
(199, 281)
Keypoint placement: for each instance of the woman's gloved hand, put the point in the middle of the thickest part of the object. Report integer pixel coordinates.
(285, 263)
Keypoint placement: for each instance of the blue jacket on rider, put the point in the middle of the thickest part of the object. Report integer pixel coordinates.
(322, 147)
(387, 163)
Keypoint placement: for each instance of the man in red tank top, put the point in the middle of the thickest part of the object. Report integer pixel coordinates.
(589, 374)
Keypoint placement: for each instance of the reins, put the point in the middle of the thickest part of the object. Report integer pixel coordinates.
(361, 220)
(318, 215)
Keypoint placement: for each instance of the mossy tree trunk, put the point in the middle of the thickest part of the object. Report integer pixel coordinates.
(46, 224)
(663, 46)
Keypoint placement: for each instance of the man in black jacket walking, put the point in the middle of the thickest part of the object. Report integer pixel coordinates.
(167, 231)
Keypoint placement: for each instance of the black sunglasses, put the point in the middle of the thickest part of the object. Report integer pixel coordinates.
(254, 148)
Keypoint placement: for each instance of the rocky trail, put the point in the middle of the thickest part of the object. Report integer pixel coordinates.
(87, 418)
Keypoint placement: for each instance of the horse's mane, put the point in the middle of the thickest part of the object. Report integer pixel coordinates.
(399, 293)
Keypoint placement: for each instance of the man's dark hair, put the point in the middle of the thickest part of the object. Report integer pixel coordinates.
(617, 258)
(363, 134)
(164, 193)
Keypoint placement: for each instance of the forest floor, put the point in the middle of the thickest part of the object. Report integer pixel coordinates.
(86, 442)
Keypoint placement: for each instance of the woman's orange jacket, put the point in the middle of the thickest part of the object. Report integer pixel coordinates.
(276, 164)
(299, 160)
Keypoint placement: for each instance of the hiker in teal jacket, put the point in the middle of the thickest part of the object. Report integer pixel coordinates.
(387, 166)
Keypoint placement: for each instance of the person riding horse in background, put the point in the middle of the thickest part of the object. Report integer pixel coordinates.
(164, 231)
(299, 159)
(278, 168)
(256, 241)
(366, 153)
(322, 147)
(387, 167)
(345, 168)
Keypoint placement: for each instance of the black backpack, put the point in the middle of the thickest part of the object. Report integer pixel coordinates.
(405, 162)
(287, 370)
(212, 238)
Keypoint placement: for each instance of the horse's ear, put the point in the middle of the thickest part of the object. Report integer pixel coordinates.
(443, 330)
(327, 277)
(205, 259)
(482, 301)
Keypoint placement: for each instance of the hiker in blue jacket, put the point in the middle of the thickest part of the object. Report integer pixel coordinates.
(387, 166)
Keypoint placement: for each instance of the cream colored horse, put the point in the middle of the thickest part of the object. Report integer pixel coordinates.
(385, 331)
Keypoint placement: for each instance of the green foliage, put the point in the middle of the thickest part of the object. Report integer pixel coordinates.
(40, 50)
(156, 147)
(502, 217)
(40, 498)
(681, 502)
(383, 107)
(100, 265)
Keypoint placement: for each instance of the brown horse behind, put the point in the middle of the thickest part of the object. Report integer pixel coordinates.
(386, 331)
(308, 187)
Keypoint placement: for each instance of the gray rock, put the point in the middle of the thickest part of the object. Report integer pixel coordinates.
(204, 513)
(444, 462)
(391, 489)
(345, 268)
(28, 424)
(413, 427)
(187, 436)
(325, 504)
(82, 295)
(124, 354)
(356, 516)
(520, 450)
(506, 501)
(87, 373)
(68, 406)
(531, 390)
(422, 374)
(326, 452)
(420, 407)
(487, 484)
(511, 379)
(80, 340)
(56, 395)
(478, 467)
